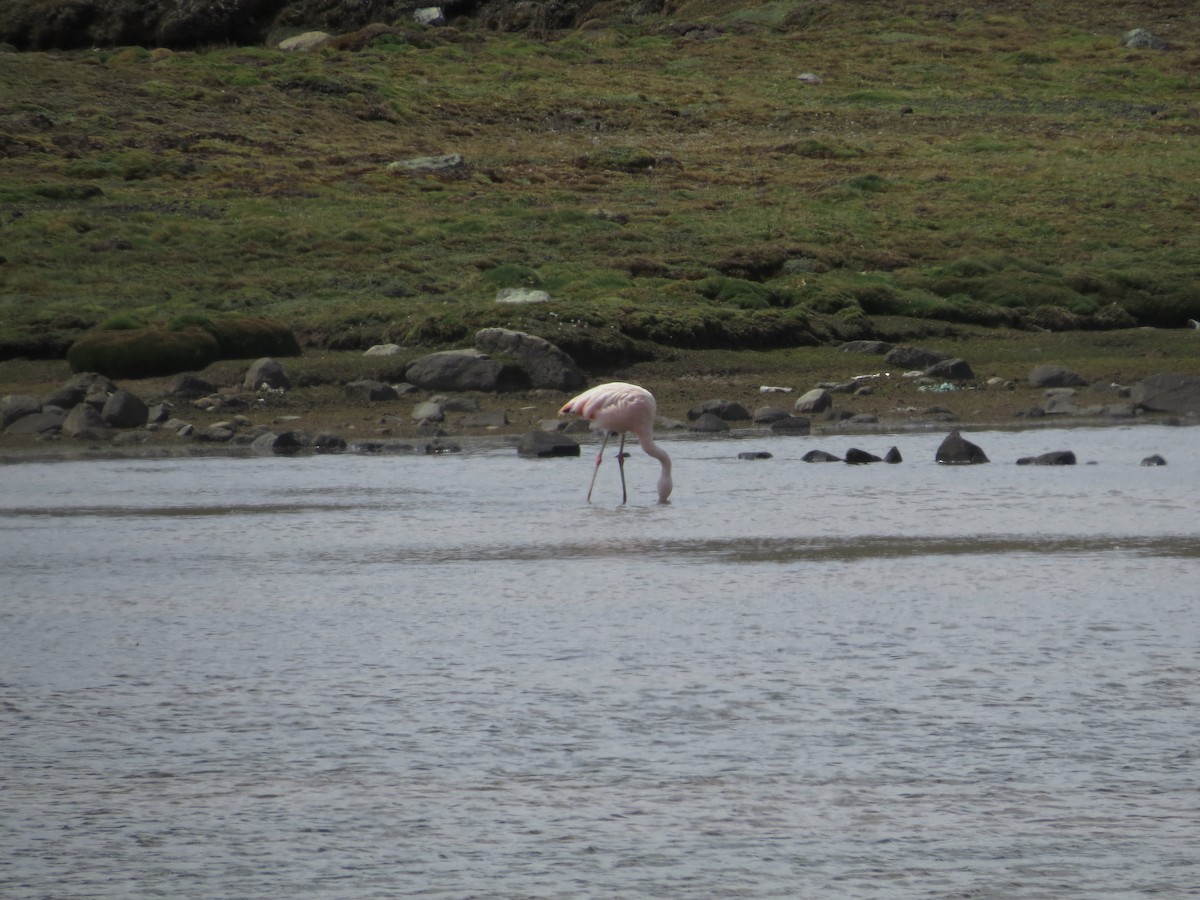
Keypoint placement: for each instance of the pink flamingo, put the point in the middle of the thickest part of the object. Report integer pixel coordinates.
(620, 407)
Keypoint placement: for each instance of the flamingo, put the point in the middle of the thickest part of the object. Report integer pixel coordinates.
(622, 408)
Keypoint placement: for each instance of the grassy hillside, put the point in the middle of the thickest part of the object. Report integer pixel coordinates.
(670, 181)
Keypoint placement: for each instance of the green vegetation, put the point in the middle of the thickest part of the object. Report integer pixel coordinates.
(671, 187)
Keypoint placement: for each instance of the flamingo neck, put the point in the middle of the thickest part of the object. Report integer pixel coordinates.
(665, 484)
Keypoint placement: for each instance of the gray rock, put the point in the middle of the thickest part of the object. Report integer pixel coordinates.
(447, 162)
(709, 423)
(543, 444)
(370, 391)
(495, 418)
(266, 372)
(856, 457)
(1053, 458)
(765, 415)
(953, 369)
(727, 410)
(1055, 377)
(519, 295)
(1155, 460)
(873, 348)
(957, 450)
(191, 385)
(1141, 39)
(125, 410)
(14, 406)
(429, 15)
(792, 425)
(820, 456)
(817, 400)
(458, 404)
(84, 423)
(429, 411)
(327, 442)
(893, 456)
(302, 43)
(913, 357)
(159, 413)
(37, 423)
(754, 454)
(1179, 394)
(546, 365)
(287, 443)
(1060, 401)
(464, 370)
(384, 350)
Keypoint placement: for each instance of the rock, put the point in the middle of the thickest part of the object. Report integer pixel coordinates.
(709, 423)
(14, 406)
(464, 370)
(893, 456)
(429, 16)
(429, 411)
(217, 434)
(458, 404)
(792, 425)
(818, 456)
(266, 372)
(546, 365)
(1179, 394)
(495, 418)
(68, 396)
(1141, 39)
(370, 391)
(957, 450)
(1053, 458)
(43, 422)
(520, 295)
(543, 444)
(1055, 377)
(857, 457)
(765, 415)
(956, 369)
(873, 348)
(863, 419)
(913, 357)
(85, 423)
(384, 350)
(754, 454)
(301, 43)
(1060, 401)
(447, 162)
(326, 442)
(817, 400)
(726, 410)
(287, 443)
(191, 385)
(437, 447)
(124, 410)
(159, 413)
(1154, 460)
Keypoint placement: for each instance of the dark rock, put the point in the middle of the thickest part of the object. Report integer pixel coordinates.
(754, 454)
(438, 447)
(893, 456)
(1055, 377)
(818, 400)
(327, 442)
(124, 410)
(875, 348)
(14, 406)
(545, 364)
(957, 450)
(546, 444)
(266, 372)
(1179, 394)
(792, 425)
(857, 457)
(722, 409)
(954, 369)
(710, 423)
(913, 357)
(191, 385)
(66, 397)
(1154, 460)
(465, 370)
(818, 456)
(84, 423)
(1053, 458)
(370, 391)
(37, 423)
(1060, 401)
(765, 415)
(288, 443)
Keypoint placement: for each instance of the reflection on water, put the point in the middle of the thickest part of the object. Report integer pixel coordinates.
(449, 676)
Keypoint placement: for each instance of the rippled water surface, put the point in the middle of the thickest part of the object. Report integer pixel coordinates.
(449, 676)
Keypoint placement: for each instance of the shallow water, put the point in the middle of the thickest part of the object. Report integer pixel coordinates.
(449, 676)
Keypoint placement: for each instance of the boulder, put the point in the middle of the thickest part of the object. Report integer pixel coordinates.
(817, 400)
(765, 415)
(384, 350)
(309, 40)
(913, 357)
(14, 406)
(1179, 394)
(709, 423)
(518, 296)
(546, 365)
(543, 444)
(370, 390)
(429, 16)
(893, 456)
(857, 457)
(191, 385)
(1055, 377)
(954, 369)
(266, 372)
(1060, 401)
(287, 443)
(44, 422)
(1141, 39)
(792, 425)
(957, 450)
(464, 370)
(446, 162)
(727, 410)
(125, 410)
(84, 423)
(1155, 460)
(1053, 458)
(327, 442)
(429, 411)
(754, 454)
(819, 456)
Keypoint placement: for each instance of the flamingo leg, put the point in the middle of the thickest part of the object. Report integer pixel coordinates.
(595, 471)
(621, 466)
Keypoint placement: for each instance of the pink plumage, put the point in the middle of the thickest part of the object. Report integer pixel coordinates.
(622, 408)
